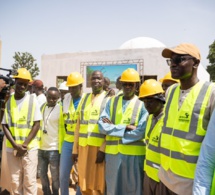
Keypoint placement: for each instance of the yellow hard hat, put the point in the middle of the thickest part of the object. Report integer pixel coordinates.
(130, 75)
(150, 87)
(169, 78)
(23, 73)
(74, 79)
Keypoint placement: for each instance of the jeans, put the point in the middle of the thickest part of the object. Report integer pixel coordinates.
(51, 158)
(65, 168)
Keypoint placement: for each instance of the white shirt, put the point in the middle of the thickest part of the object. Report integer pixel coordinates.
(41, 99)
(50, 140)
(66, 102)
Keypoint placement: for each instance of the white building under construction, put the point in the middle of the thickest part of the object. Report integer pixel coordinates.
(142, 54)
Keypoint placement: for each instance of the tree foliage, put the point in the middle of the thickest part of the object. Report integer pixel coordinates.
(211, 58)
(26, 60)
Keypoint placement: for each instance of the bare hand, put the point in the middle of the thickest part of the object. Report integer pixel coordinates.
(74, 158)
(130, 127)
(106, 120)
(21, 150)
(100, 157)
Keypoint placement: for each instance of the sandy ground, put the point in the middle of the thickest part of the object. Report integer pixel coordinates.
(39, 192)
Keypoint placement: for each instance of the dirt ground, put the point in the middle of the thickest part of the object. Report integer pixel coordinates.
(39, 191)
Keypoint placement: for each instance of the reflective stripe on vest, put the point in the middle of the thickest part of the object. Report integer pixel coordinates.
(70, 122)
(89, 115)
(20, 122)
(152, 161)
(114, 144)
(181, 138)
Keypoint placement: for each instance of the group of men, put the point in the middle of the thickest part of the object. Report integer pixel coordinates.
(128, 143)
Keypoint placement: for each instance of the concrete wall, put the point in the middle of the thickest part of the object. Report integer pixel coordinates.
(63, 64)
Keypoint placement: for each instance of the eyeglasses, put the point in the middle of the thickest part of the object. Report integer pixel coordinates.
(128, 84)
(178, 59)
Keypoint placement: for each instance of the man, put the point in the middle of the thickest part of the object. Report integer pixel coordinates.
(39, 91)
(37, 88)
(70, 106)
(187, 112)
(110, 92)
(204, 182)
(53, 131)
(167, 81)
(88, 139)
(21, 123)
(123, 122)
(119, 86)
(151, 93)
(63, 90)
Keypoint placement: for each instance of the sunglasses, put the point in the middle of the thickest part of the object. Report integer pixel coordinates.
(178, 59)
(128, 84)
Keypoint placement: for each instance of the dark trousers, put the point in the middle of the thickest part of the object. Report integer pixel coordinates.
(164, 190)
(150, 186)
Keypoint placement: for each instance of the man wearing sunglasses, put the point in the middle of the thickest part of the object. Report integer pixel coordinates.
(123, 122)
(188, 108)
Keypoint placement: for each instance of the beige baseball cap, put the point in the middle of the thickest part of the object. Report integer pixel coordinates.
(183, 48)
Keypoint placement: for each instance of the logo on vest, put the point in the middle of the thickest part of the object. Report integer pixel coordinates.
(155, 139)
(184, 118)
(95, 113)
(127, 121)
(22, 118)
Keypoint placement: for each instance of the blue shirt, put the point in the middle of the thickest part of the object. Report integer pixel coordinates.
(76, 102)
(119, 129)
(206, 162)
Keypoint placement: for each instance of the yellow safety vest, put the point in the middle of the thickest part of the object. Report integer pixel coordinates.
(184, 130)
(20, 122)
(212, 192)
(89, 115)
(61, 127)
(131, 115)
(71, 121)
(152, 136)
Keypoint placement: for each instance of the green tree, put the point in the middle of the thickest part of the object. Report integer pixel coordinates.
(211, 58)
(26, 60)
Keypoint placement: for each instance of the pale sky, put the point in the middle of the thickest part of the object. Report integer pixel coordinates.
(58, 26)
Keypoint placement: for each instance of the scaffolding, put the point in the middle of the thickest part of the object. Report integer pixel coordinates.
(138, 62)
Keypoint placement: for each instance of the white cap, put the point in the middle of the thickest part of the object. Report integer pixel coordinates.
(63, 86)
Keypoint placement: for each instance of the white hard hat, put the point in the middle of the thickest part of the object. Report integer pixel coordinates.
(63, 86)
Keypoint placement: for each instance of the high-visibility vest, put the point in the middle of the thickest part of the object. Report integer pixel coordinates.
(71, 120)
(212, 192)
(184, 129)
(20, 122)
(152, 160)
(61, 127)
(131, 115)
(89, 115)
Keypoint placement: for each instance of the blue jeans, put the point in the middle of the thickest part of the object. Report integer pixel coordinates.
(65, 168)
(51, 158)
